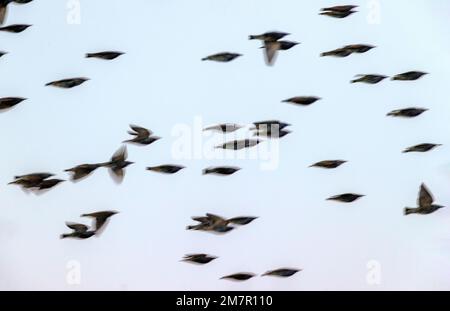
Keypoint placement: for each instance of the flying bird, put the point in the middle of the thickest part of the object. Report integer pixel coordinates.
(166, 169)
(109, 55)
(17, 28)
(359, 48)
(329, 164)
(49, 184)
(409, 76)
(118, 163)
(142, 136)
(224, 128)
(369, 79)
(340, 11)
(283, 272)
(425, 204)
(341, 52)
(9, 102)
(221, 170)
(263, 125)
(407, 113)
(346, 197)
(30, 181)
(80, 231)
(271, 133)
(243, 276)
(302, 100)
(269, 36)
(100, 218)
(271, 49)
(200, 259)
(224, 57)
(421, 148)
(83, 170)
(239, 144)
(67, 83)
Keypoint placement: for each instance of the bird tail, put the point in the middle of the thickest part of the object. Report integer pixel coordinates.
(63, 236)
(408, 211)
(252, 37)
(325, 54)
(48, 84)
(204, 58)
(354, 81)
(89, 55)
(205, 171)
(190, 227)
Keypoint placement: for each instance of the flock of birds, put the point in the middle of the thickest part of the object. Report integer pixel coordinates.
(270, 129)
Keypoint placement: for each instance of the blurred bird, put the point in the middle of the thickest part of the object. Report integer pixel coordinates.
(340, 8)
(142, 135)
(100, 219)
(166, 169)
(243, 276)
(263, 125)
(269, 36)
(118, 164)
(271, 49)
(407, 113)
(421, 148)
(80, 231)
(218, 224)
(346, 197)
(221, 170)
(200, 259)
(329, 164)
(425, 202)
(271, 133)
(67, 83)
(110, 55)
(359, 48)
(222, 57)
(9, 102)
(302, 100)
(224, 128)
(337, 14)
(409, 76)
(4, 7)
(341, 52)
(239, 144)
(283, 272)
(18, 28)
(49, 183)
(370, 79)
(83, 170)
(30, 180)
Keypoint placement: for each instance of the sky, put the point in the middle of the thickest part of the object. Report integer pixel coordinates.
(160, 83)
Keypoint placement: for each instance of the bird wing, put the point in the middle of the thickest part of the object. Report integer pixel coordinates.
(100, 221)
(117, 174)
(2, 13)
(141, 131)
(120, 155)
(425, 198)
(271, 49)
(215, 218)
(77, 227)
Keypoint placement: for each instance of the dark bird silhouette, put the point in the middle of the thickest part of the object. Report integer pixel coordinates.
(4, 7)
(283, 272)
(83, 170)
(100, 219)
(243, 276)
(80, 231)
(340, 8)
(200, 259)
(425, 204)
(223, 128)
(337, 14)
(221, 170)
(239, 144)
(407, 113)
(49, 183)
(302, 100)
(224, 57)
(263, 125)
(369, 79)
(118, 163)
(166, 169)
(341, 52)
(271, 133)
(346, 197)
(409, 76)
(142, 136)
(218, 224)
(269, 36)
(329, 164)
(421, 148)
(67, 83)
(17, 28)
(9, 102)
(109, 55)
(359, 48)
(30, 180)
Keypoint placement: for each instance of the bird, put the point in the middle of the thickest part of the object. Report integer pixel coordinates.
(224, 128)
(118, 163)
(166, 169)
(224, 57)
(346, 197)
(369, 79)
(49, 183)
(341, 52)
(271, 133)
(271, 49)
(421, 148)
(425, 204)
(283, 272)
(409, 76)
(16, 28)
(9, 102)
(80, 231)
(4, 7)
(239, 144)
(142, 135)
(269, 36)
(302, 100)
(242, 276)
(340, 8)
(109, 55)
(337, 14)
(329, 164)
(200, 259)
(30, 181)
(100, 218)
(218, 224)
(359, 48)
(221, 170)
(81, 171)
(68, 83)
(262, 125)
(407, 112)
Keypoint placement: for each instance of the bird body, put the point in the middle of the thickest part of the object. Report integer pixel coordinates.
(9, 102)
(142, 136)
(269, 36)
(16, 28)
(337, 14)
(421, 148)
(263, 125)
(166, 169)
(302, 100)
(329, 164)
(80, 231)
(83, 170)
(283, 272)
(425, 204)
(239, 144)
(369, 79)
(67, 83)
(109, 55)
(221, 170)
(200, 259)
(224, 127)
(409, 76)
(340, 8)
(242, 276)
(346, 197)
(118, 163)
(407, 113)
(224, 57)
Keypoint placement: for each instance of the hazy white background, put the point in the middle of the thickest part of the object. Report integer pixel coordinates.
(161, 82)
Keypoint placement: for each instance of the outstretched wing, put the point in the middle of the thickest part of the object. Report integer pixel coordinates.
(77, 227)
(425, 198)
(120, 155)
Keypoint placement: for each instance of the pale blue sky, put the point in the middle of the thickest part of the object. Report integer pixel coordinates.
(161, 83)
